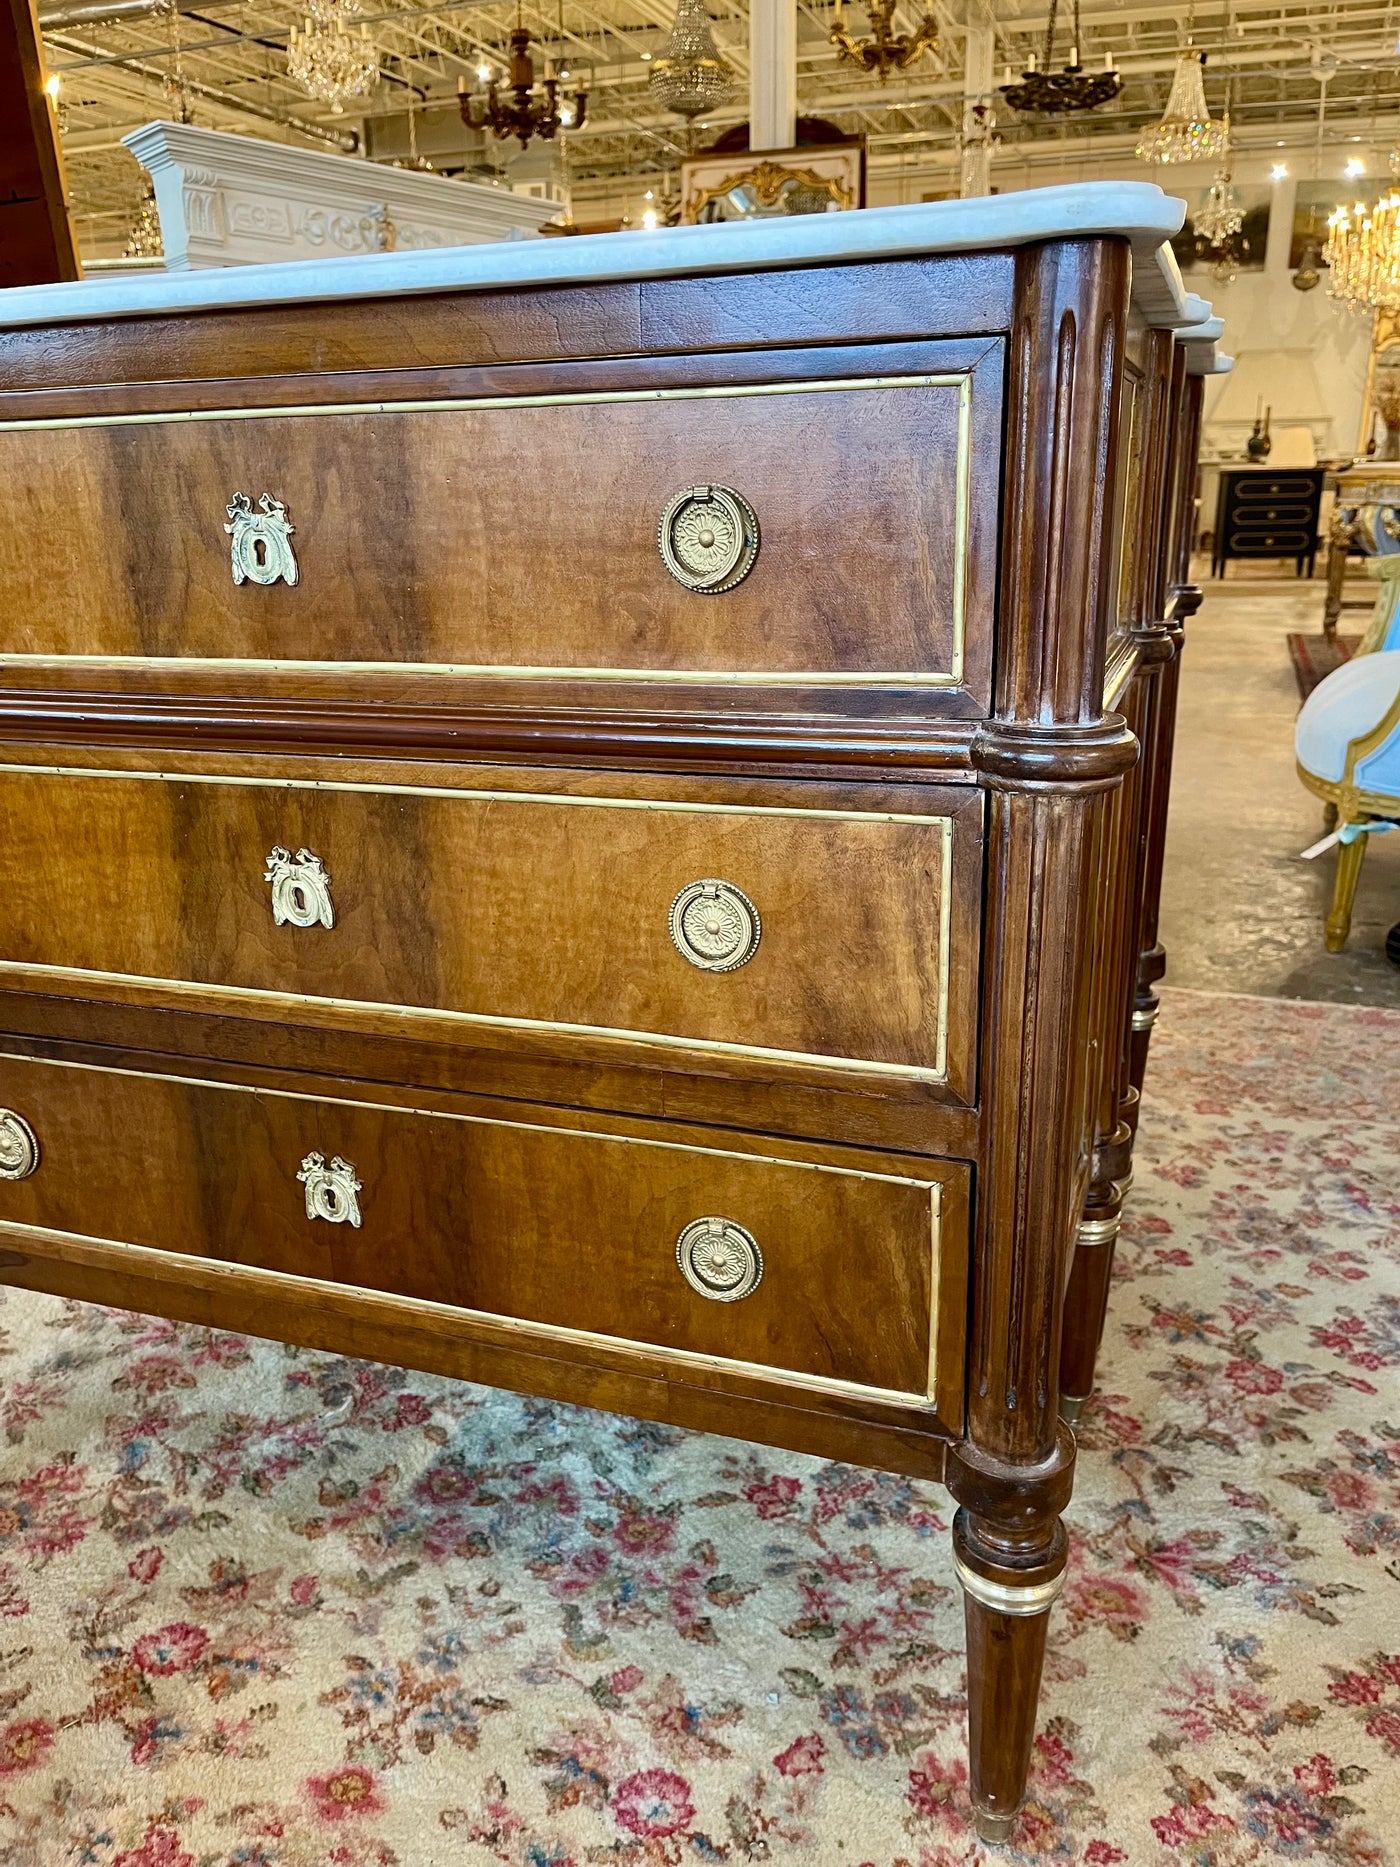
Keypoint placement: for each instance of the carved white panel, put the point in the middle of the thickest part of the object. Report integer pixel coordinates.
(234, 201)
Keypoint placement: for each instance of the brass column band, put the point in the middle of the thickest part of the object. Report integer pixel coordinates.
(1028, 1598)
(1099, 1231)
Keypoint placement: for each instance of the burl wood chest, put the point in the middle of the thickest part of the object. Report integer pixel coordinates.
(565, 822)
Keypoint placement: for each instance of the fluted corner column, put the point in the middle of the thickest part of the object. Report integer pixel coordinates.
(1048, 759)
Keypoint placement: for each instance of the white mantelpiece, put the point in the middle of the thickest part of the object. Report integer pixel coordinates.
(233, 200)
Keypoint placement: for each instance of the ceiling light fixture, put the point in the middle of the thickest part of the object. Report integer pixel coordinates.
(1050, 93)
(1363, 252)
(1222, 216)
(1279, 172)
(886, 50)
(1354, 168)
(1187, 131)
(328, 58)
(690, 76)
(522, 114)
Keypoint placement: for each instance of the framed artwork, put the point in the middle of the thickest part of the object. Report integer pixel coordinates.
(1246, 248)
(739, 185)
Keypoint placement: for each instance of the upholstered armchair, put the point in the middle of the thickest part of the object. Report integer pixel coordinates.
(1348, 748)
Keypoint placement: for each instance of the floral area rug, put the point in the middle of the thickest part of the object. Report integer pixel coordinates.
(262, 1608)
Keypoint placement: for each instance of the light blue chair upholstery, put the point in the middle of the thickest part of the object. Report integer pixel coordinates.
(1347, 743)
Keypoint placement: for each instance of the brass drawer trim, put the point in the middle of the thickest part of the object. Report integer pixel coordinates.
(951, 676)
(545, 1332)
(185, 988)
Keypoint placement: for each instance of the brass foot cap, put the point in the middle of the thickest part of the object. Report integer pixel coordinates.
(1071, 1406)
(995, 1829)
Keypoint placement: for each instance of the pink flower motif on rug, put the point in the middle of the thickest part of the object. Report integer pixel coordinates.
(349, 1792)
(653, 1803)
(173, 1649)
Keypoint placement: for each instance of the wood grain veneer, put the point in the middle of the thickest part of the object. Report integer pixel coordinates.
(566, 1222)
(476, 539)
(546, 911)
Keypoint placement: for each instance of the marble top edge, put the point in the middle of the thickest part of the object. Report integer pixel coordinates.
(1140, 211)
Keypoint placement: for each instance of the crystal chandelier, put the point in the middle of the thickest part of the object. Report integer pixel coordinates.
(1222, 217)
(522, 114)
(886, 50)
(144, 240)
(1052, 93)
(689, 76)
(1187, 132)
(1363, 251)
(328, 58)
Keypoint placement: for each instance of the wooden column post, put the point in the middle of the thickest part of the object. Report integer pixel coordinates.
(1047, 758)
(1183, 599)
(1153, 642)
(36, 235)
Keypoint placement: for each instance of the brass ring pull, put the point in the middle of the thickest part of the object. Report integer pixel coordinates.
(720, 1259)
(715, 926)
(19, 1147)
(708, 538)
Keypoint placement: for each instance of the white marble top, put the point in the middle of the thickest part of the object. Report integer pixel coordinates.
(1201, 342)
(1140, 210)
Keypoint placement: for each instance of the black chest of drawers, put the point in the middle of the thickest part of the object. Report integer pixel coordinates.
(1263, 512)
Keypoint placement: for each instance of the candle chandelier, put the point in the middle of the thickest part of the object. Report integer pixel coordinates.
(1051, 93)
(520, 113)
(689, 76)
(1187, 131)
(886, 50)
(1363, 252)
(328, 58)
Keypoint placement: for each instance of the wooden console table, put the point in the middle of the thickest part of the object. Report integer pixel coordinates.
(644, 727)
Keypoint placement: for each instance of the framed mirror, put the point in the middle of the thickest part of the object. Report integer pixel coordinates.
(744, 186)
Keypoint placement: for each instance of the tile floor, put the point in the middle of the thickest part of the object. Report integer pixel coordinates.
(1240, 912)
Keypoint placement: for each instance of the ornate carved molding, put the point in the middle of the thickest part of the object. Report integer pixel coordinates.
(231, 200)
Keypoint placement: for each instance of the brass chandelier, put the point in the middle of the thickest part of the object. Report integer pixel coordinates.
(1363, 252)
(1050, 93)
(886, 50)
(520, 113)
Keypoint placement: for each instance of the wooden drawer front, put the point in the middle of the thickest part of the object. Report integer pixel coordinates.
(563, 1221)
(547, 913)
(497, 538)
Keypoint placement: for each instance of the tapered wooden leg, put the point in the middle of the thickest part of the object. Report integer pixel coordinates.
(1008, 1591)
(1349, 860)
(1339, 542)
(1086, 1305)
